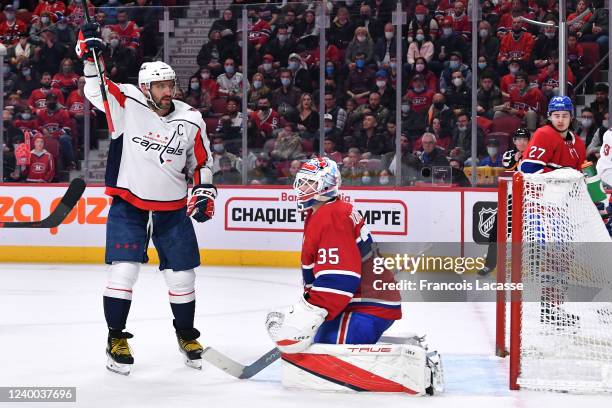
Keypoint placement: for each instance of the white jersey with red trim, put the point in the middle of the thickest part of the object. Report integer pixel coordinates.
(151, 158)
(604, 164)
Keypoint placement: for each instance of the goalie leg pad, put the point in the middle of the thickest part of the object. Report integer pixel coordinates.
(361, 367)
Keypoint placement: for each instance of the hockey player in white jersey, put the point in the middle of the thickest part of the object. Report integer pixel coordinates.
(157, 146)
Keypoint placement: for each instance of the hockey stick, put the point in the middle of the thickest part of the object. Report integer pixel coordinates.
(67, 203)
(236, 369)
(107, 112)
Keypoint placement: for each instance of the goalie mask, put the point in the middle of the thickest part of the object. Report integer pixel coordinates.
(317, 181)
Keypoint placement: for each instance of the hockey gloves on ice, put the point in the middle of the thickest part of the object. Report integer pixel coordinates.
(201, 205)
(89, 41)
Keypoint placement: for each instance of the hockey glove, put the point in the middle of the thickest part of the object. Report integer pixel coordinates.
(508, 160)
(293, 329)
(201, 205)
(89, 41)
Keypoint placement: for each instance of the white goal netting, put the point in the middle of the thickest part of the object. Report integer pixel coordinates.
(566, 269)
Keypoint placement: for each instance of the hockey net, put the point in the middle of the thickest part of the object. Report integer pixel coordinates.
(558, 330)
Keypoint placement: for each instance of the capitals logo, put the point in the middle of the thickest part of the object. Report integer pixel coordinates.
(156, 142)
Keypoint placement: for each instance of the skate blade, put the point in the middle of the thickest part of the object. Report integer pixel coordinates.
(118, 368)
(195, 364)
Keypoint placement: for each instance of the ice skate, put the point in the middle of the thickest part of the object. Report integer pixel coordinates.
(119, 354)
(190, 347)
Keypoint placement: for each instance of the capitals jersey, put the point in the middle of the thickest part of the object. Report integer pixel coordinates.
(337, 265)
(548, 150)
(151, 158)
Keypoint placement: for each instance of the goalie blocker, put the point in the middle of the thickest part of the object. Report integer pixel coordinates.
(403, 368)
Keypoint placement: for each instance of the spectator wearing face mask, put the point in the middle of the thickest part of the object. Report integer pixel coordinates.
(447, 44)
(515, 45)
(385, 47)
(484, 69)
(120, 62)
(508, 81)
(230, 82)
(586, 126)
(27, 80)
(413, 123)
(50, 8)
(423, 20)
(12, 27)
(226, 173)
(545, 44)
(269, 70)
(281, 46)
(455, 64)
(439, 109)
(287, 97)
(421, 67)
(385, 178)
(258, 89)
(219, 151)
(199, 98)
(300, 74)
(66, 80)
(259, 31)
(494, 156)
(26, 121)
(38, 97)
(420, 97)
(384, 88)
(360, 45)
(57, 123)
(265, 118)
(371, 21)
(211, 54)
(360, 78)
(488, 44)
(421, 47)
(458, 95)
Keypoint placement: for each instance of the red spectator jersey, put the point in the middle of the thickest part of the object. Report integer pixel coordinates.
(507, 83)
(128, 35)
(9, 33)
(211, 86)
(41, 168)
(337, 265)
(548, 148)
(75, 103)
(75, 13)
(55, 122)
(56, 9)
(260, 32)
(38, 97)
(552, 79)
(526, 100)
(420, 101)
(26, 125)
(462, 26)
(575, 53)
(512, 49)
(267, 125)
(67, 81)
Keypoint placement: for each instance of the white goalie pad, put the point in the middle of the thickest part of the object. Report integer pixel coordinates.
(402, 368)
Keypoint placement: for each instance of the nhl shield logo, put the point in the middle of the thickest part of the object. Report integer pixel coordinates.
(486, 219)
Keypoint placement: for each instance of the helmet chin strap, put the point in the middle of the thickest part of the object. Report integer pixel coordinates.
(150, 100)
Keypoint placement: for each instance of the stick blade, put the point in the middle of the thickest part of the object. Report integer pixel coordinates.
(264, 361)
(222, 362)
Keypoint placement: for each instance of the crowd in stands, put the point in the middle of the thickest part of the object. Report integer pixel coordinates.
(517, 74)
(44, 105)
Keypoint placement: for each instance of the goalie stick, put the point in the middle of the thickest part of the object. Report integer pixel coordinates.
(67, 203)
(235, 369)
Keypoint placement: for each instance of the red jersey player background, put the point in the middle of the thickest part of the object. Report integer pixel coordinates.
(554, 145)
(339, 304)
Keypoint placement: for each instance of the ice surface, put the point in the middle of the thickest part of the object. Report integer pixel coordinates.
(52, 333)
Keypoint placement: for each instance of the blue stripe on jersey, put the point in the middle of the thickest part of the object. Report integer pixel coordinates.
(344, 283)
(307, 276)
(365, 246)
(530, 167)
(113, 161)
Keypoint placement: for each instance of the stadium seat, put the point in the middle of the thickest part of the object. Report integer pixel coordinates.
(211, 124)
(218, 106)
(506, 124)
(591, 57)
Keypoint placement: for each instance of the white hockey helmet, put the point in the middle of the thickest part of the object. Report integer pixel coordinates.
(155, 71)
(317, 181)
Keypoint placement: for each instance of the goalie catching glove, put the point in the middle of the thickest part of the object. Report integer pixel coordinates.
(293, 329)
(89, 41)
(201, 205)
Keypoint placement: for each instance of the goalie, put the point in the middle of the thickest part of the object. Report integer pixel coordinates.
(340, 306)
